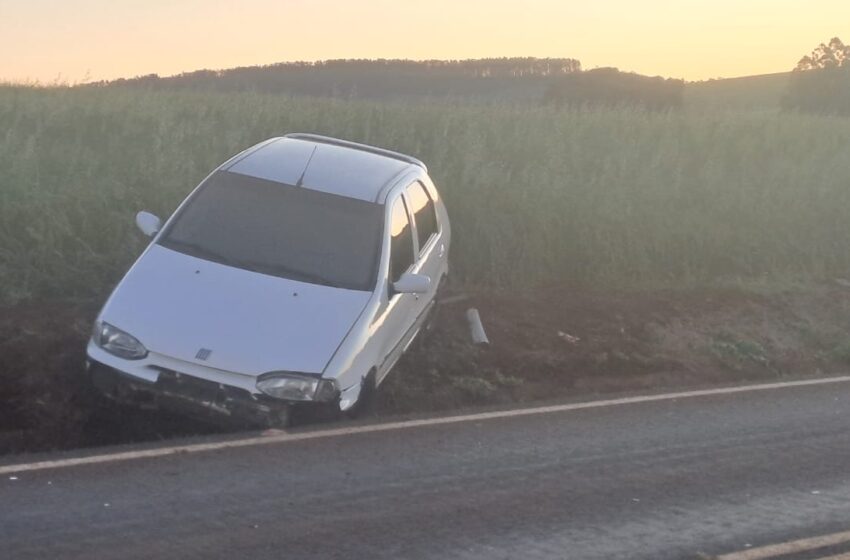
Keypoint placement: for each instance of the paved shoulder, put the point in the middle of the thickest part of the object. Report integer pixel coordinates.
(655, 478)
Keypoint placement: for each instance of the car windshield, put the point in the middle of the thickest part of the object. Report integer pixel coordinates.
(281, 230)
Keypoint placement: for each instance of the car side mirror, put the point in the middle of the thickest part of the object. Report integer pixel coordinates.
(409, 283)
(148, 223)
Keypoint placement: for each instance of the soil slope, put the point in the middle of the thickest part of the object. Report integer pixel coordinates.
(549, 345)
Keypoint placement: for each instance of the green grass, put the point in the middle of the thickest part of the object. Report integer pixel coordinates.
(538, 197)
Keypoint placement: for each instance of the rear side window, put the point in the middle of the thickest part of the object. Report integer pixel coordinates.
(422, 208)
(401, 248)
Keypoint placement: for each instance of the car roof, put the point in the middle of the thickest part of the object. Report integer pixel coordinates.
(324, 164)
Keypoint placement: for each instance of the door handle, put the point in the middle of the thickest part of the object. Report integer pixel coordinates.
(442, 250)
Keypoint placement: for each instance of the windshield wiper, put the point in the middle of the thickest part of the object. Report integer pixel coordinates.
(280, 270)
(197, 250)
(289, 272)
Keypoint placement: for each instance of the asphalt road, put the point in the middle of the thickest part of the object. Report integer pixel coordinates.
(654, 480)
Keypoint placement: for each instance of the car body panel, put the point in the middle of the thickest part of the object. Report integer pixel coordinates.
(366, 348)
(253, 323)
(151, 366)
(279, 160)
(322, 167)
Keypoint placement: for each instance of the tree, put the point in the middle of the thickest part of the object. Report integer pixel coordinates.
(835, 54)
(610, 87)
(821, 81)
(485, 79)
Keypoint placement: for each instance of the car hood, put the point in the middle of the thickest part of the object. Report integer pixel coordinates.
(252, 323)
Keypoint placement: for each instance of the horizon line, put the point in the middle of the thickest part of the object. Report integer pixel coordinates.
(59, 82)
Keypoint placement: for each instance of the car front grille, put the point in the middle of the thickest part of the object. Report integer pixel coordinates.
(203, 390)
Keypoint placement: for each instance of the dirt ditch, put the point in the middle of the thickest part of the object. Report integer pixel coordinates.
(548, 345)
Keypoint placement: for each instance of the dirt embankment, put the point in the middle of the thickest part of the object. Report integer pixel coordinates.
(550, 345)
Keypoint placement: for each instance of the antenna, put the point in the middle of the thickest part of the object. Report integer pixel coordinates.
(300, 181)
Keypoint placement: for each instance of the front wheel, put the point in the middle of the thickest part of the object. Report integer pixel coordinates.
(366, 401)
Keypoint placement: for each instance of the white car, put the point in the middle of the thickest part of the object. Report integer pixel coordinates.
(298, 271)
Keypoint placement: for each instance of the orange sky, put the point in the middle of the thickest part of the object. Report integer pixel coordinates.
(71, 40)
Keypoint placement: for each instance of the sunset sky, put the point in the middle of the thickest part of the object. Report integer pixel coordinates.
(73, 40)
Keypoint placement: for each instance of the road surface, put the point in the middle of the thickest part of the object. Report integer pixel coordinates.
(670, 477)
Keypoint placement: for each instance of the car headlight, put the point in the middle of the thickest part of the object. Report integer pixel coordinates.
(295, 387)
(117, 342)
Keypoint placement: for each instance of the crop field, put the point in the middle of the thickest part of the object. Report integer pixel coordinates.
(538, 197)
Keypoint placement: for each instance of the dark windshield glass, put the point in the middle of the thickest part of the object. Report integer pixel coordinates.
(281, 230)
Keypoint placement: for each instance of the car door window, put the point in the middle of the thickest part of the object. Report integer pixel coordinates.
(401, 247)
(424, 214)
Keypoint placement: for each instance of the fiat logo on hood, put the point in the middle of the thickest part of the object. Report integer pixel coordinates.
(203, 354)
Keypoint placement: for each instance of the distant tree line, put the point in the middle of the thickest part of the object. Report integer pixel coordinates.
(610, 87)
(486, 78)
(558, 81)
(821, 81)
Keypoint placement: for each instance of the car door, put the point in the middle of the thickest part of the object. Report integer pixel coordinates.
(431, 250)
(398, 317)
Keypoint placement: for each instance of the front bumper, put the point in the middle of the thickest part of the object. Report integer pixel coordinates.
(191, 396)
(165, 388)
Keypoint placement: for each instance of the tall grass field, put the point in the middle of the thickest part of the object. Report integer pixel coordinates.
(538, 197)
